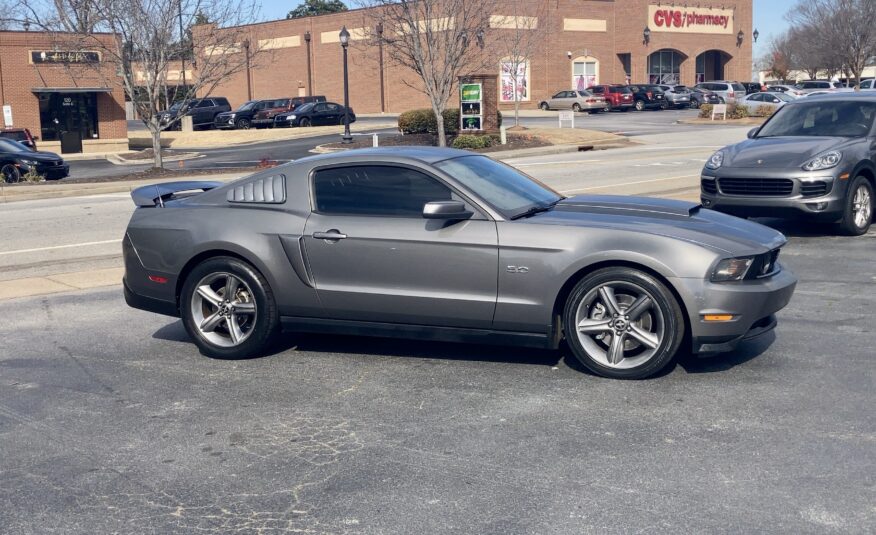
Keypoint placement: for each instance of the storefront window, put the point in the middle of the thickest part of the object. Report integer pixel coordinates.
(701, 68)
(68, 112)
(512, 82)
(664, 67)
(585, 72)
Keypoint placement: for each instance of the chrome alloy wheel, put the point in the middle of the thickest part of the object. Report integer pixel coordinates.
(862, 206)
(223, 309)
(619, 325)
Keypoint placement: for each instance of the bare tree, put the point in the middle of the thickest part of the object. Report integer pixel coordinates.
(848, 30)
(147, 39)
(439, 40)
(520, 31)
(779, 59)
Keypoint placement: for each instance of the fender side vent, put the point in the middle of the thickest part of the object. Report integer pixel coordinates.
(266, 190)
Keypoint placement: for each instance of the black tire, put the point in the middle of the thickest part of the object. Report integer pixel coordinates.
(853, 223)
(304, 123)
(695, 104)
(640, 105)
(663, 314)
(10, 173)
(576, 107)
(607, 107)
(242, 124)
(544, 106)
(261, 332)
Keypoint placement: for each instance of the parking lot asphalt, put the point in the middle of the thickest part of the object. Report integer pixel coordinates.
(111, 422)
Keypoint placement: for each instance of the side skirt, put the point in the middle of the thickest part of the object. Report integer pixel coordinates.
(415, 332)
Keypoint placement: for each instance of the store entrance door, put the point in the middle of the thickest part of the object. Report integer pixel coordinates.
(68, 118)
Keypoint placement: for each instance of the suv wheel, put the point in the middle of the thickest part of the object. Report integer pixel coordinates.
(640, 105)
(242, 123)
(694, 104)
(858, 213)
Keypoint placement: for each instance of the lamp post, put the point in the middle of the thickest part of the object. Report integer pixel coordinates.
(344, 37)
(756, 34)
(246, 45)
(309, 71)
(379, 31)
(739, 37)
(646, 35)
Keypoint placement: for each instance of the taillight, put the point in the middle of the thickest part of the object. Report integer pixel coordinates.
(731, 94)
(590, 101)
(649, 94)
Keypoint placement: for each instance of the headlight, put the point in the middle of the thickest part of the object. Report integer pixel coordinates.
(232, 116)
(715, 160)
(29, 162)
(828, 160)
(731, 269)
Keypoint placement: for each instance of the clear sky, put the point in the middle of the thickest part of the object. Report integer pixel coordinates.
(769, 17)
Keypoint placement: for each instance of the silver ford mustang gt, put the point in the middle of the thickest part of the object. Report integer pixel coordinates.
(445, 244)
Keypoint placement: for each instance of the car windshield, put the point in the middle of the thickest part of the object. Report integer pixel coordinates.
(304, 108)
(8, 145)
(247, 105)
(782, 96)
(822, 117)
(506, 189)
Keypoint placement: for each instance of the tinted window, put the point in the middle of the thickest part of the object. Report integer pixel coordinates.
(305, 108)
(221, 101)
(332, 106)
(738, 87)
(821, 118)
(585, 93)
(597, 90)
(318, 108)
(376, 190)
(503, 187)
(7, 145)
(17, 136)
(247, 105)
(206, 103)
(559, 95)
(623, 90)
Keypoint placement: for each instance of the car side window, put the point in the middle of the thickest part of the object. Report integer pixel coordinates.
(333, 107)
(596, 90)
(376, 190)
(319, 108)
(559, 95)
(206, 103)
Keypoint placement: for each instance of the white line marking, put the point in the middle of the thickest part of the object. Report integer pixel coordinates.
(68, 246)
(631, 183)
(557, 163)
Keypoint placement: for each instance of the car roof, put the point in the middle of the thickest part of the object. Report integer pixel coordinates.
(844, 95)
(427, 155)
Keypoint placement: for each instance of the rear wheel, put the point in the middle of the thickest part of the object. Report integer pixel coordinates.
(11, 174)
(694, 103)
(623, 323)
(640, 105)
(228, 309)
(576, 107)
(858, 213)
(607, 107)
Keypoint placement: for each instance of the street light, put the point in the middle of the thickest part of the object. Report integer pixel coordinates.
(646, 35)
(756, 34)
(344, 37)
(739, 37)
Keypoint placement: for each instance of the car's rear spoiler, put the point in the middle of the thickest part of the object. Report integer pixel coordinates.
(157, 194)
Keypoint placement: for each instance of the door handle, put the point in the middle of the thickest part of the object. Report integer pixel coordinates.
(329, 235)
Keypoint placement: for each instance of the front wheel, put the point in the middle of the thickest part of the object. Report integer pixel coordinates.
(11, 174)
(858, 213)
(576, 107)
(640, 105)
(228, 309)
(544, 106)
(695, 104)
(242, 124)
(304, 123)
(623, 323)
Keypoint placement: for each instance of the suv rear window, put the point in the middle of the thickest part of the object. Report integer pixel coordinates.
(620, 89)
(738, 87)
(598, 90)
(221, 101)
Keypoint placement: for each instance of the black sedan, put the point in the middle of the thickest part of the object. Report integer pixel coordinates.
(17, 160)
(315, 114)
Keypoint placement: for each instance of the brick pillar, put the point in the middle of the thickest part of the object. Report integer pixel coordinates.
(490, 98)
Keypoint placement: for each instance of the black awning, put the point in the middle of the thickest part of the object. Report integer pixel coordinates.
(72, 90)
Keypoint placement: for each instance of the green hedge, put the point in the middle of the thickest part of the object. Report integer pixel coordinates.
(733, 111)
(470, 141)
(422, 121)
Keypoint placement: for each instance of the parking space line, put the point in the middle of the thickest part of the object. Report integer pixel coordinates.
(66, 246)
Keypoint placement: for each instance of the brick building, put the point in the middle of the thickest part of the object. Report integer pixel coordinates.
(61, 93)
(584, 42)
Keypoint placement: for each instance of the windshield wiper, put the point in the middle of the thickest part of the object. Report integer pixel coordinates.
(537, 209)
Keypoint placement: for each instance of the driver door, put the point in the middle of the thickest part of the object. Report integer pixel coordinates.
(375, 258)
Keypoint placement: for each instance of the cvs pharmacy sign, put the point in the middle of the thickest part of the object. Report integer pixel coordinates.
(690, 20)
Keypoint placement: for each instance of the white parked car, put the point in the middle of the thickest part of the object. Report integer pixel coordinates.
(789, 90)
(773, 101)
(869, 85)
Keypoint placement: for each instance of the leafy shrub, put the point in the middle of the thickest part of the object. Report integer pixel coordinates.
(469, 141)
(764, 111)
(422, 121)
(738, 112)
(33, 176)
(706, 111)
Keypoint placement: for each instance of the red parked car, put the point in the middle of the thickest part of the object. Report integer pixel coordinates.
(22, 135)
(617, 97)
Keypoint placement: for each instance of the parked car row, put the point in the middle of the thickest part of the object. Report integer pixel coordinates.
(215, 112)
(639, 97)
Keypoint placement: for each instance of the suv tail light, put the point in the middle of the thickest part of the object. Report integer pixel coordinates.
(731, 94)
(650, 95)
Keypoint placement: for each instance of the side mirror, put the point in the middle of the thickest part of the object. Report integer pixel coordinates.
(753, 132)
(447, 210)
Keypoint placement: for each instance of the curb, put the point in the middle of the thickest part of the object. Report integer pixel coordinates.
(117, 159)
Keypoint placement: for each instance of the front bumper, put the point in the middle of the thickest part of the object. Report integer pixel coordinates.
(751, 303)
(827, 204)
(224, 122)
(50, 172)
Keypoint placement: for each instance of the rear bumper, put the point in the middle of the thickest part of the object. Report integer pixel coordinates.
(751, 304)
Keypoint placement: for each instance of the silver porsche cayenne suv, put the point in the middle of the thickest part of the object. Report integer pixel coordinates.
(816, 157)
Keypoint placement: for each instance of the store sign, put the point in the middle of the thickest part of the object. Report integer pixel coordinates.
(471, 106)
(684, 19)
(7, 115)
(38, 57)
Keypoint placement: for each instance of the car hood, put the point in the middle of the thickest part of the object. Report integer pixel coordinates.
(39, 156)
(779, 152)
(681, 220)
